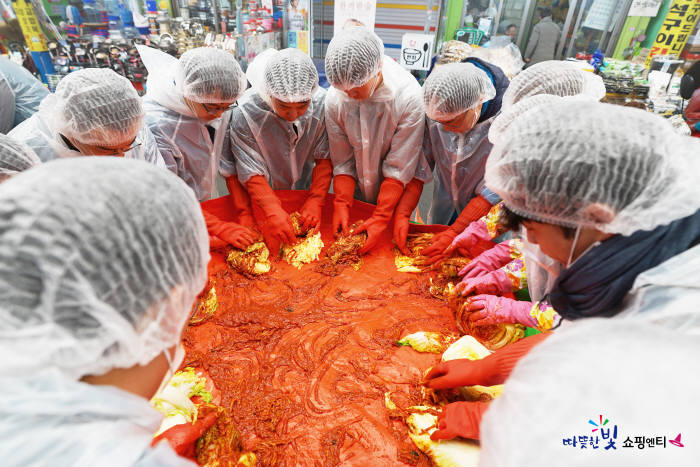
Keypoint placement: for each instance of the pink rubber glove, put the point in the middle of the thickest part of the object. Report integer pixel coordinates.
(473, 241)
(494, 283)
(488, 261)
(487, 309)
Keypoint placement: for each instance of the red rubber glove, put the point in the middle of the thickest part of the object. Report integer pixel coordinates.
(229, 232)
(404, 209)
(488, 309)
(473, 241)
(477, 208)
(488, 261)
(344, 190)
(494, 283)
(215, 243)
(320, 182)
(390, 193)
(489, 371)
(460, 419)
(183, 438)
(278, 225)
(240, 201)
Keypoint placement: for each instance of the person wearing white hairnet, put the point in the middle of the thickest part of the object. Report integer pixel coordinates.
(94, 112)
(640, 379)
(15, 157)
(541, 84)
(187, 106)
(20, 94)
(279, 140)
(375, 123)
(187, 103)
(460, 101)
(101, 260)
(612, 196)
(554, 77)
(491, 271)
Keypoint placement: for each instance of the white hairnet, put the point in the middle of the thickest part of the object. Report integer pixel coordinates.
(506, 117)
(100, 262)
(553, 77)
(290, 76)
(353, 57)
(15, 157)
(210, 76)
(454, 88)
(587, 164)
(638, 376)
(95, 106)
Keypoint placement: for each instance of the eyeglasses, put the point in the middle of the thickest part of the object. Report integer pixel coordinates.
(117, 151)
(218, 108)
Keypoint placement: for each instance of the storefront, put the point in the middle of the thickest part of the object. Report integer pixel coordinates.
(585, 25)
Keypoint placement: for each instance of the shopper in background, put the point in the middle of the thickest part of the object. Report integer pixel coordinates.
(94, 112)
(20, 94)
(15, 157)
(375, 124)
(512, 32)
(543, 40)
(102, 259)
(690, 89)
(279, 140)
(460, 100)
(619, 210)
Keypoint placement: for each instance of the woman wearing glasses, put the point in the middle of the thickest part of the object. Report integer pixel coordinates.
(186, 107)
(187, 103)
(94, 112)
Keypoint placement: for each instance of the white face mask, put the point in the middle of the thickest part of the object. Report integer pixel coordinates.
(570, 262)
(542, 271)
(174, 363)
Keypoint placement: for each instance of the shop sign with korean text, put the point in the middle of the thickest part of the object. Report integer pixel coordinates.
(676, 29)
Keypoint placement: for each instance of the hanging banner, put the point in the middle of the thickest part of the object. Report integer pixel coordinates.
(33, 35)
(297, 12)
(353, 12)
(647, 8)
(676, 29)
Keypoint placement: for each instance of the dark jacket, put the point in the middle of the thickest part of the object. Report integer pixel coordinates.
(500, 82)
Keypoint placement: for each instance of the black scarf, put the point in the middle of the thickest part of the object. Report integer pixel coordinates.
(596, 283)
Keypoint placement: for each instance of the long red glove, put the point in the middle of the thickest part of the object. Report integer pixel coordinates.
(404, 209)
(390, 193)
(183, 438)
(460, 419)
(477, 208)
(230, 232)
(278, 225)
(491, 370)
(344, 190)
(240, 201)
(320, 182)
